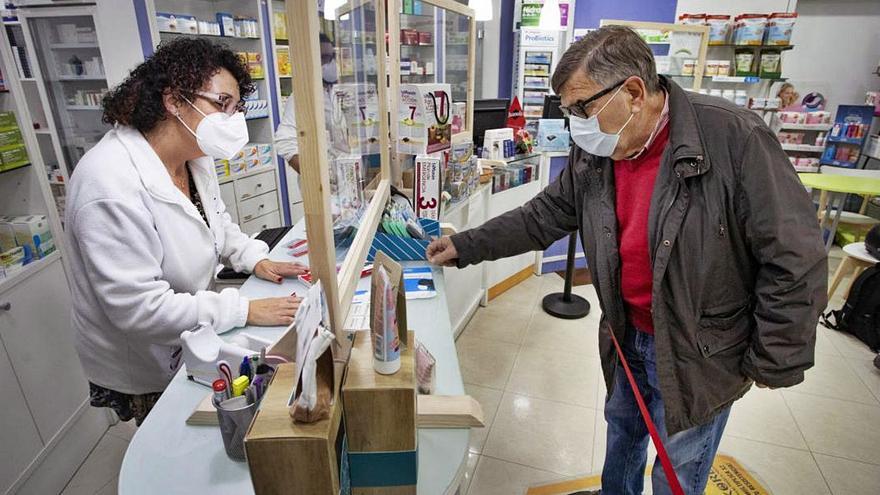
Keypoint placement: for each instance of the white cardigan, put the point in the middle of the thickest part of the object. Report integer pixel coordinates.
(143, 262)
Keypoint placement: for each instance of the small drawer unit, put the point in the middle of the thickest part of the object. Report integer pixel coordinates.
(249, 209)
(261, 223)
(255, 185)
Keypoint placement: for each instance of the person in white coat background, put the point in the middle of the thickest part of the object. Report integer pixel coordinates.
(286, 141)
(147, 228)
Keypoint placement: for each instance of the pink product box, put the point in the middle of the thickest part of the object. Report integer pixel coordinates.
(792, 117)
(806, 162)
(821, 117)
(791, 137)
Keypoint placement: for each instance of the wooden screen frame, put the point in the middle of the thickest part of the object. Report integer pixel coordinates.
(303, 28)
(700, 68)
(394, 7)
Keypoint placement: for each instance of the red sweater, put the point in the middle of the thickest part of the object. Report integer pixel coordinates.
(634, 186)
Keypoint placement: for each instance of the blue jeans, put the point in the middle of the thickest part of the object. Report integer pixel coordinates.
(691, 451)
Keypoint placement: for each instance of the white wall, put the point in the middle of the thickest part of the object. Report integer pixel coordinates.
(491, 45)
(837, 42)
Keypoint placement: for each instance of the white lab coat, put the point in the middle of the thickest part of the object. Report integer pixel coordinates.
(286, 140)
(143, 262)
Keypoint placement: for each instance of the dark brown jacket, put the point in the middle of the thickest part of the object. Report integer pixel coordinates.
(739, 269)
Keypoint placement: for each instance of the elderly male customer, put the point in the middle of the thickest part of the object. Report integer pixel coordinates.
(703, 246)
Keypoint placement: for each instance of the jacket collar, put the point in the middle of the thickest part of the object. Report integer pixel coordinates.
(685, 140)
(155, 176)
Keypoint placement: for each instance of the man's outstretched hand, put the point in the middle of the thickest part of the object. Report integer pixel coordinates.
(442, 252)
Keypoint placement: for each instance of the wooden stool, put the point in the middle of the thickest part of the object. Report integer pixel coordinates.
(856, 260)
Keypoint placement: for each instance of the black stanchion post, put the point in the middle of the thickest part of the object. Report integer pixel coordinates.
(565, 304)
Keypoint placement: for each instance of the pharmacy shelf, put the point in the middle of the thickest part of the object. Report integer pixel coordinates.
(805, 127)
(82, 78)
(733, 79)
(57, 182)
(807, 148)
(84, 107)
(838, 163)
(754, 47)
(43, 132)
(843, 140)
(71, 46)
(255, 171)
(17, 167)
(810, 169)
(28, 270)
(173, 33)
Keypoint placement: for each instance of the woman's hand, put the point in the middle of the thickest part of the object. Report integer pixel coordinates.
(273, 311)
(276, 271)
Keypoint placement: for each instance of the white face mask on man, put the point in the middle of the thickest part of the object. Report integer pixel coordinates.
(588, 135)
(219, 135)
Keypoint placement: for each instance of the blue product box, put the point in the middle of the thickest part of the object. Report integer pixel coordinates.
(552, 135)
(227, 24)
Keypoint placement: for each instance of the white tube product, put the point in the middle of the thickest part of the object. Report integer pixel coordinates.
(386, 344)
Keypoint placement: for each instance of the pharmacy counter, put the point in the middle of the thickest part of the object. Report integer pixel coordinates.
(168, 456)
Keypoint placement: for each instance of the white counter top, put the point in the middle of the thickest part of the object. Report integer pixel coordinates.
(167, 456)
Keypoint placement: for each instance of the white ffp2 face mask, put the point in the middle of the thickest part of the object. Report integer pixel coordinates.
(219, 135)
(588, 136)
(329, 72)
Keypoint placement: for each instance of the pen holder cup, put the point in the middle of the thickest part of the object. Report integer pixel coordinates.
(234, 424)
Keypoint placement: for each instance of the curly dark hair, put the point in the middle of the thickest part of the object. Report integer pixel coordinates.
(181, 66)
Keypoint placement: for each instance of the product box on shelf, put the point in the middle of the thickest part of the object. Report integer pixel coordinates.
(719, 28)
(459, 113)
(33, 231)
(227, 23)
(7, 119)
(409, 37)
(427, 187)
(10, 136)
(423, 121)
(779, 28)
(749, 29)
(279, 25)
(552, 135)
(498, 144)
(7, 234)
(13, 156)
(282, 61)
(355, 118)
(462, 174)
(222, 168)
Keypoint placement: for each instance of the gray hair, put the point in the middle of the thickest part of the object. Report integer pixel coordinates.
(608, 55)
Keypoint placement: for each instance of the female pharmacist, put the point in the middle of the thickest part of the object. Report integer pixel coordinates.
(147, 228)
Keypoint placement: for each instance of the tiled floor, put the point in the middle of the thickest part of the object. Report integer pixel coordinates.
(539, 383)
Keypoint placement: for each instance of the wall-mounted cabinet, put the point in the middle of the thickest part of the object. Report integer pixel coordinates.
(47, 422)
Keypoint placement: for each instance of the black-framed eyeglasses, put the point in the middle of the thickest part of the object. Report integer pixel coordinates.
(226, 103)
(579, 108)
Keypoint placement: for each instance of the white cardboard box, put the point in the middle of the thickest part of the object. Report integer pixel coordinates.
(424, 119)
